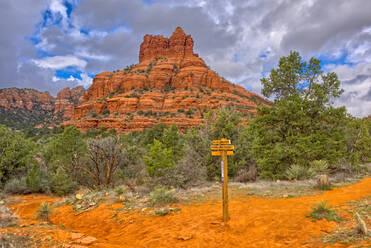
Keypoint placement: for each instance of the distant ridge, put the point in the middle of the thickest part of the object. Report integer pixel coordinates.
(29, 108)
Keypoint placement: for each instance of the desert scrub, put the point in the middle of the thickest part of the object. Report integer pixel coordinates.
(165, 211)
(162, 211)
(346, 236)
(120, 193)
(12, 240)
(119, 190)
(354, 234)
(62, 184)
(319, 167)
(44, 211)
(160, 196)
(89, 200)
(298, 172)
(323, 211)
(16, 186)
(323, 183)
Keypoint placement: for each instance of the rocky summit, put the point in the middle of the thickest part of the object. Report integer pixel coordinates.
(170, 84)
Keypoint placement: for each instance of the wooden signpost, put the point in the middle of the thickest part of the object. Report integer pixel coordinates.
(223, 148)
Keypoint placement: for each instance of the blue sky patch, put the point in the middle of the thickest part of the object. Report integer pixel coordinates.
(69, 7)
(85, 31)
(67, 73)
(42, 54)
(150, 2)
(341, 60)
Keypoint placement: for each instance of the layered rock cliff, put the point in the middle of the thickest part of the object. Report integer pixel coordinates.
(170, 84)
(21, 108)
(67, 99)
(25, 99)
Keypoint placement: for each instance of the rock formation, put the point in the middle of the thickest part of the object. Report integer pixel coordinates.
(25, 99)
(67, 100)
(23, 108)
(170, 84)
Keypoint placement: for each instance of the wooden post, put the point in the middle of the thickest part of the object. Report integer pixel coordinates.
(225, 186)
(223, 148)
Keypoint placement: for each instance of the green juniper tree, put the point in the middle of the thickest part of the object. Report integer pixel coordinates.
(65, 151)
(359, 140)
(302, 125)
(16, 153)
(159, 159)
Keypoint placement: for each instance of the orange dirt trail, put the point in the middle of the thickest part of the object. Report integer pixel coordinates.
(255, 222)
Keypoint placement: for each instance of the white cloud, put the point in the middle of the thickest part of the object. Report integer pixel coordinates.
(356, 82)
(86, 54)
(57, 8)
(60, 62)
(85, 80)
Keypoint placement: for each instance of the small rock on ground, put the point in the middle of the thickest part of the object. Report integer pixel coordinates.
(86, 241)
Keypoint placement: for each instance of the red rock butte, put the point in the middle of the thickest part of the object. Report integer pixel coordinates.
(170, 84)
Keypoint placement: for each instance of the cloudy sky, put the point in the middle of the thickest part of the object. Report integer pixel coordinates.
(52, 44)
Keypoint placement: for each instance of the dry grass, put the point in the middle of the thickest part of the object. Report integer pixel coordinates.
(348, 231)
(11, 240)
(7, 219)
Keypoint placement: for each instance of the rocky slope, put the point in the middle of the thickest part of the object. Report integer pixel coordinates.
(67, 99)
(25, 99)
(170, 84)
(23, 108)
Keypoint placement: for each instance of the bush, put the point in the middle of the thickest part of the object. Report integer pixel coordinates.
(62, 184)
(159, 158)
(247, 174)
(104, 159)
(160, 196)
(120, 190)
(16, 153)
(188, 172)
(323, 211)
(162, 211)
(67, 151)
(323, 183)
(37, 180)
(44, 211)
(106, 111)
(17, 186)
(319, 167)
(298, 172)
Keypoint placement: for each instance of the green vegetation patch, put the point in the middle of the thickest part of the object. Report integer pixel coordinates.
(323, 211)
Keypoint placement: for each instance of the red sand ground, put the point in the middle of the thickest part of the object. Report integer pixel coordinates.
(255, 222)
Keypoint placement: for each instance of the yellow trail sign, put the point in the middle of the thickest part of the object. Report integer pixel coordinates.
(221, 142)
(224, 149)
(219, 153)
